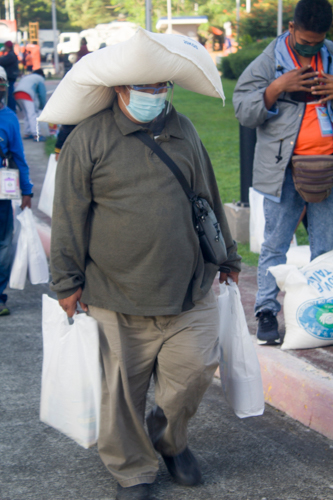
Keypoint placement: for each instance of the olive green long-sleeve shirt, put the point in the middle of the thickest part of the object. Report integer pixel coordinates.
(122, 226)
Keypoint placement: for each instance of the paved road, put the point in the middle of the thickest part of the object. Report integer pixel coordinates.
(270, 457)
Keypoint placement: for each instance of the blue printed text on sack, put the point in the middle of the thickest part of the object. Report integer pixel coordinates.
(322, 280)
(191, 43)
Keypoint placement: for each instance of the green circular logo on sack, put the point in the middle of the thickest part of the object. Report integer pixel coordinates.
(324, 315)
(316, 317)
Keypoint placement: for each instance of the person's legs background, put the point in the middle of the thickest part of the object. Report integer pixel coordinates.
(11, 99)
(6, 235)
(280, 224)
(320, 222)
(30, 117)
(183, 352)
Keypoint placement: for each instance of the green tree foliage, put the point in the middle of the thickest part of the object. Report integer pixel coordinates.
(234, 65)
(86, 14)
(38, 11)
(261, 22)
(219, 12)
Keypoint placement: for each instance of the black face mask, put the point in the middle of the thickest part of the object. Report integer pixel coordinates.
(308, 50)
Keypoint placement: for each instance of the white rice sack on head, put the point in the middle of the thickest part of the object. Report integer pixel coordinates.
(145, 58)
(308, 303)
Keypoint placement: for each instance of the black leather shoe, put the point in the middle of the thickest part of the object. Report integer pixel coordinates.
(184, 468)
(137, 492)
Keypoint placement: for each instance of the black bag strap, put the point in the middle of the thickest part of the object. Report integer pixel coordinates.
(148, 141)
(3, 156)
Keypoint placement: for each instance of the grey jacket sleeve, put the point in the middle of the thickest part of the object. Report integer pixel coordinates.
(70, 221)
(248, 98)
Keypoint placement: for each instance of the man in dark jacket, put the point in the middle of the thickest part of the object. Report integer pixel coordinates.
(10, 62)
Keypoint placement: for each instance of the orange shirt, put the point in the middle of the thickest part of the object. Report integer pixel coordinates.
(313, 138)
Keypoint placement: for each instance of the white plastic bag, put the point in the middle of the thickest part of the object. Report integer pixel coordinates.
(239, 365)
(47, 194)
(308, 303)
(19, 269)
(37, 262)
(71, 377)
(257, 220)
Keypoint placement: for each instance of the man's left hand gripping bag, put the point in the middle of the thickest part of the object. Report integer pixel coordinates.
(71, 376)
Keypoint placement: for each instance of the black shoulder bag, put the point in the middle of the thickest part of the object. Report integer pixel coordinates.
(7, 160)
(210, 237)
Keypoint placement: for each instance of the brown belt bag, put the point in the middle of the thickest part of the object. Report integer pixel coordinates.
(313, 176)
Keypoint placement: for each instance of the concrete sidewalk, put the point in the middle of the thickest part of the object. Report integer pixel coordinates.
(272, 457)
(299, 382)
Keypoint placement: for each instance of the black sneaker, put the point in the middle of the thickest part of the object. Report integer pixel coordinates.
(267, 333)
(4, 311)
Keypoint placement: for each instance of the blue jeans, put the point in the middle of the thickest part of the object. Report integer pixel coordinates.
(6, 235)
(280, 223)
(11, 98)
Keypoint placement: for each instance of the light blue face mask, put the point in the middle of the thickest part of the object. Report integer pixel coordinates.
(145, 107)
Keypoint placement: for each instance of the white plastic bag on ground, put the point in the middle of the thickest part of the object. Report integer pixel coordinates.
(71, 377)
(239, 365)
(257, 220)
(37, 262)
(308, 303)
(18, 274)
(47, 193)
(297, 255)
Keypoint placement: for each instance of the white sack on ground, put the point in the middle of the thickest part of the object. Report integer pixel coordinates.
(257, 220)
(71, 377)
(308, 303)
(145, 58)
(299, 256)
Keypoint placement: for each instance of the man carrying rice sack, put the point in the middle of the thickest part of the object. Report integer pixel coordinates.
(286, 94)
(124, 245)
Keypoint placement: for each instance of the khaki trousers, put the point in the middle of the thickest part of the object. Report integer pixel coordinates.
(182, 354)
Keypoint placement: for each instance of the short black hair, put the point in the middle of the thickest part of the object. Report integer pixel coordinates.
(313, 15)
(39, 72)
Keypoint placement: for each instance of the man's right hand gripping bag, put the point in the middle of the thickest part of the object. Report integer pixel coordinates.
(239, 365)
(71, 377)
